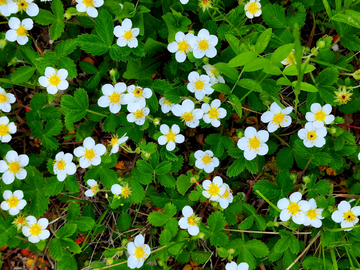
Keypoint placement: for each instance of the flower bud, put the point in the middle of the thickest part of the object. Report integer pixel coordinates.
(137, 150)
(206, 99)
(205, 60)
(109, 261)
(332, 130)
(321, 44)
(307, 49)
(314, 51)
(191, 32)
(67, 15)
(356, 75)
(3, 43)
(293, 176)
(240, 134)
(306, 179)
(331, 209)
(193, 179)
(201, 235)
(231, 251)
(113, 72)
(156, 121)
(124, 242)
(214, 204)
(161, 263)
(146, 154)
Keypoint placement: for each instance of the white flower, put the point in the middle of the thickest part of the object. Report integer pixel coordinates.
(63, 165)
(206, 160)
(7, 7)
(54, 80)
(254, 143)
(214, 74)
(113, 97)
(199, 84)
(118, 190)
(89, 6)
(138, 112)
(137, 93)
(253, 9)
(36, 230)
(234, 266)
(170, 136)
(320, 115)
(13, 166)
(314, 215)
(94, 188)
(5, 100)
(293, 207)
(28, 6)
(290, 60)
(226, 198)
(213, 112)
(189, 221)
(346, 215)
(335, 48)
(214, 190)
(188, 113)
(6, 128)
(138, 252)
(89, 154)
(312, 136)
(13, 202)
(184, 2)
(181, 46)
(204, 44)
(115, 142)
(18, 30)
(277, 117)
(166, 106)
(126, 35)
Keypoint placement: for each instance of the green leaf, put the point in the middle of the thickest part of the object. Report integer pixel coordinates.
(123, 222)
(83, 223)
(350, 17)
(274, 16)
(328, 76)
(256, 64)
(230, 72)
(92, 44)
(22, 74)
(293, 70)
(250, 85)
(257, 248)
(183, 184)
(158, 219)
(104, 26)
(67, 263)
(163, 167)
(219, 239)
(236, 168)
(175, 23)
(263, 41)
(140, 69)
(56, 29)
(281, 53)
(170, 210)
(38, 101)
(267, 188)
(242, 59)
(194, 195)
(285, 159)
(322, 187)
(45, 17)
(75, 107)
(305, 86)
(216, 222)
(55, 249)
(247, 223)
(66, 231)
(237, 104)
(167, 180)
(222, 88)
(70, 245)
(53, 186)
(66, 47)
(200, 257)
(144, 167)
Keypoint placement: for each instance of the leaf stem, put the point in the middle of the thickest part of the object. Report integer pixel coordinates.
(265, 199)
(333, 258)
(277, 136)
(96, 113)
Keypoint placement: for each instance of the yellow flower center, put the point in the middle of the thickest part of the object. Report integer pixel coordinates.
(213, 189)
(125, 192)
(349, 216)
(311, 135)
(199, 85)
(278, 117)
(320, 115)
(14, 167)
(61, 165)
(214, 113)
(290, 59)
(94, 189)
(253, 8)
(226, 194)
(191, 221)
(138, 92)
(22, 5)
(139, 114)
(206, 160)
(88, 3)
(4, 130)
(20, 220)
(294, 208)
(183, 46)
(2, 2)
(21, 31)
(89, 154)
(188, 116)
(170, 136)
(54, 80)
(35, 229)
(114, 141)
(13, 201)
(167, 102)
(139, 253)
(204, 45)
(254, 143)
(2, 98)
(115, 97)
(311, 214)
(128, 35)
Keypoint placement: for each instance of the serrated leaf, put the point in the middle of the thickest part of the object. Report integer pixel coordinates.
(55, 249)
(163, 167)
(92, 44)
(22, 74)
(123, 222)
(216, 222)
(66, 231)
(167, 180)
(183, 184)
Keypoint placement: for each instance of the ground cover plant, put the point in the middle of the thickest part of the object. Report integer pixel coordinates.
(179, 134)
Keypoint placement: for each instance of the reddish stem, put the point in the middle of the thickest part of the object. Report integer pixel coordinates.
(344, 125)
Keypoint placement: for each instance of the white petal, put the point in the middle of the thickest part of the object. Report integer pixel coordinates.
(89, 143)
(299, 218)
(250, 132)
(193, 230)
(183, 223)
(249, 155)
(337, 216)
(139, 240)
(285, 215)
(187, 211)
(283, 203)
(295, 197)
(344, 206)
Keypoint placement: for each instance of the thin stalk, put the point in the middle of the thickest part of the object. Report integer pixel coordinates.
(265, 199)
(90, 111)
(277, 136)
(333, 258)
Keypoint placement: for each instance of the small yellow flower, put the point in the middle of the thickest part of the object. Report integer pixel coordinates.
(19, 222)
(343, 96)
(205, 4)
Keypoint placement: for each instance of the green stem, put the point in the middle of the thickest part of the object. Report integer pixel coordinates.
(90, 111)
(333, 258)
(347, 252)
(342, 229)
(298, 57)
(281, 139)
(100, 220)
(265, 199)
(18, 84)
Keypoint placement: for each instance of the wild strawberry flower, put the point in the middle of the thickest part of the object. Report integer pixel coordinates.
(7, 7)
(6, 128)
(188, 113)
(276, 117)
(254, 143)
(19, 30)
(19, 222)
(214, 74)
(166, 106)
(205, 4)
(184, 2)
(214, 190)
(113, 97)
(89, 153)
(313, 216)
(138, 112)
(170, 136)
(89, 6)
(63, 165)
(345, 215)
(54, 80)
(118, 190)
(13, 202)
(320, 115)
(204, 44)
(343, 96)
(28, 6)
(115, 143)
(5, 100)
(206, 160)
(294, 208)
(234, 266)
(137, 93)
(312, 136)
(126, 34)
(253, 9)
(138, 252)
(36, 230)
(94, 188)
(181, 46)
(290, 60)
(190, 221)
(226, 198)
(199, 84)
(13, 166)
(213, 112)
